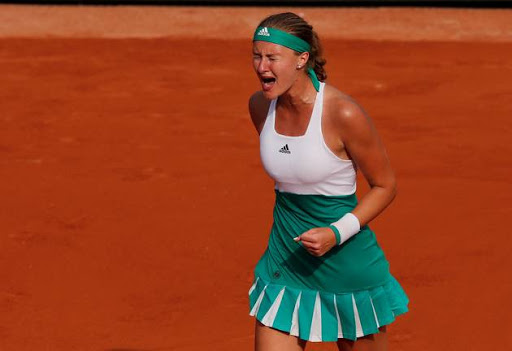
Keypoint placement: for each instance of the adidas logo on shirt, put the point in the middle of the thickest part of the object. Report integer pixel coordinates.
(264, 32)
(285, 149)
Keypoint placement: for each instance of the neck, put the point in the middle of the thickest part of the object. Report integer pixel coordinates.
(300, 94)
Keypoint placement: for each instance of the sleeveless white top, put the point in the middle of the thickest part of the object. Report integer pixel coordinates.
(305, 164)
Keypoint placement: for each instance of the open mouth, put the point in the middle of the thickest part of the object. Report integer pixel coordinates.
(267, 83)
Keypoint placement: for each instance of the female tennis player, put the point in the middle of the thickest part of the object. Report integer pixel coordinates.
(323, 276)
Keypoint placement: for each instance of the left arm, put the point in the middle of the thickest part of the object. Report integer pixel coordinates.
(363, 143)
(359, 137)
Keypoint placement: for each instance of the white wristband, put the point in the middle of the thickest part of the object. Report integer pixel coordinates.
(347, 226)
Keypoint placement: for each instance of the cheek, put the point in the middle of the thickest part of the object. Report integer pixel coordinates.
(255, 64)
(285, 72)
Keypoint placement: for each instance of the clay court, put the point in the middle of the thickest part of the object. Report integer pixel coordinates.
(134, 205)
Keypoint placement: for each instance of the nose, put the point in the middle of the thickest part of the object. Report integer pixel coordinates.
(261, 65)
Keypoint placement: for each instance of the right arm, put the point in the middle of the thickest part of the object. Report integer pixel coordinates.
(258, 108)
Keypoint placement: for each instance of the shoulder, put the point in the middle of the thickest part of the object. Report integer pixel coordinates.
(342, 106)
(258, 109)
(344, 112)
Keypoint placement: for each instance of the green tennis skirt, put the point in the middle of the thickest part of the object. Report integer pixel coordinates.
(347, 293)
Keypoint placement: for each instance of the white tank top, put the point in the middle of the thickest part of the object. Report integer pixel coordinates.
(305, 164)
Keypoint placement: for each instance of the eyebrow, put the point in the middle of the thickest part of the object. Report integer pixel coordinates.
(260, 54)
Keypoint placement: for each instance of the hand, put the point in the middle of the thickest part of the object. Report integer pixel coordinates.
(317, 240)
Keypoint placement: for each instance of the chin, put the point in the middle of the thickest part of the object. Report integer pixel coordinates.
(269, 95)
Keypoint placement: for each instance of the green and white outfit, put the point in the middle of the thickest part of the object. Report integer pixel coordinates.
(346, 293)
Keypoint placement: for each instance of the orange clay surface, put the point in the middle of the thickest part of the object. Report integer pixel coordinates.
(134, 205)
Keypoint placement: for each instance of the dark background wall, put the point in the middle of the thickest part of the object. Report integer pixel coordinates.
(373, 3)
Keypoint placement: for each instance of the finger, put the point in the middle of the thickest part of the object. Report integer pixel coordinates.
(308, 237)
(314, 252)
(312, 248)
(304, 236)
(310, 232)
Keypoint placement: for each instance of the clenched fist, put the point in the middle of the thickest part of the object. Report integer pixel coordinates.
(317, 240)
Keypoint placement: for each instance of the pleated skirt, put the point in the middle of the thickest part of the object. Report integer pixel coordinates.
(320, 316)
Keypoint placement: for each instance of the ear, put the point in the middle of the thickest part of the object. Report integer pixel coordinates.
(302, 59)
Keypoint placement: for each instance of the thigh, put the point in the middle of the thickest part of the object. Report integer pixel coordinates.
(373, 342)
(269, 339)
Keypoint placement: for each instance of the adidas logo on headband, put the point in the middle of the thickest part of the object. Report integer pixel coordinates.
(264, 31)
